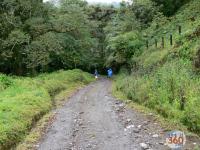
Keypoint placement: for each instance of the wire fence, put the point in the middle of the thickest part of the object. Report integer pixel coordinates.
(163, 40)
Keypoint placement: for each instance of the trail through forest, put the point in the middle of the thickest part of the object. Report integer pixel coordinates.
(93, 120)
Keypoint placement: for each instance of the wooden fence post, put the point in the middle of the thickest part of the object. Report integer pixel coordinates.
(156, 43)
(179, 29)
(147, 44)
(171, 39)
(163, 42)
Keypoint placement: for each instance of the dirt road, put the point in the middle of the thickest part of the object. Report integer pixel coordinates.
(93, 120)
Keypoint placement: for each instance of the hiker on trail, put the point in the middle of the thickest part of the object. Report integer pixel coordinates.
(110, 73)
(96, 74)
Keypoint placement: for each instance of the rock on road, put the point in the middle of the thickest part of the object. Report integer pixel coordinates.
(93, 120)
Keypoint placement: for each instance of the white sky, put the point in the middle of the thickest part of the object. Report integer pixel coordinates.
(99, 1)
(103, 1)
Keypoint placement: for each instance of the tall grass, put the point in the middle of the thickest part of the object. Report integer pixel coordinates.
(24, 100)
(171, 90)
(166, 79)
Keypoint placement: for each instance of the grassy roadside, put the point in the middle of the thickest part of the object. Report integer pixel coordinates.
(167, 79)
(23, 101)
(31, 140)
(166, 123)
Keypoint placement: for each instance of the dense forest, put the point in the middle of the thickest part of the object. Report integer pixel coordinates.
(152, 46)
(41, 37)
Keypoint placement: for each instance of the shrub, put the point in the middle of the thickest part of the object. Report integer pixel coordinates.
(5, 82)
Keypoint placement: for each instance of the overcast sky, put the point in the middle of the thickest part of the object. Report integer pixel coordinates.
(98, 1)
(103, 1)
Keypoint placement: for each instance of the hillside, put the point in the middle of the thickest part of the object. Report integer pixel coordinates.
(167, 79)
(185, 45)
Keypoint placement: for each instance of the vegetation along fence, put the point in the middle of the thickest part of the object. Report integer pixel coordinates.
(163, 40)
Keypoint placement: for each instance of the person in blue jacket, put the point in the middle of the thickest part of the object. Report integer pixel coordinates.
(110, 73)
(96, 74)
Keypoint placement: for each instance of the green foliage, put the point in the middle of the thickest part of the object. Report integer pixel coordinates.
(123, 47)
(191, 116)
(100, 16)
(144, 11)
(124, 38)
(39, 37)
(5, 82)
(166, 79)
(169, 7)
(24, 100)
(170, 90)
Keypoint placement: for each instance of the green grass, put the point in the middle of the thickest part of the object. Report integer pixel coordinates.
(24, 100)
(168, 124)
(31, 140)
(152, 58)
(171, 90)
(188, 17)
(166, 79)
(35, 135)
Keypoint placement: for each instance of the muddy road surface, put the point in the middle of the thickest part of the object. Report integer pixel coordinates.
(93, 120)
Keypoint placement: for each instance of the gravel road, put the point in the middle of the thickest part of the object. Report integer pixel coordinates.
(93, 120)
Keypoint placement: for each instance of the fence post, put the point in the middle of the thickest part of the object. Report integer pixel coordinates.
(156, 43)
(179, 29)
(171, 39)
(163, 42)
(147, 44)
(182, 100)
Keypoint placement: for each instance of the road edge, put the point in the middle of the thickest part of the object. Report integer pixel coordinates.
(31, 141)
(166, 124)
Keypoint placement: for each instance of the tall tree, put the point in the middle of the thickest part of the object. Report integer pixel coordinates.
(169, 7)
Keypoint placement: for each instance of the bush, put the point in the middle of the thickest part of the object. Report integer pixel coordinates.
(169, 7)
(124, 47)
(5, 82)
(192, 117)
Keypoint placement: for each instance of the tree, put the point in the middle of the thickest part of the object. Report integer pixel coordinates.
(169, 7)
(123, 47)
(37, 36)
(144, 11)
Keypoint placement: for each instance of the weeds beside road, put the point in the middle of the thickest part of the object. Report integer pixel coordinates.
(23, 101)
